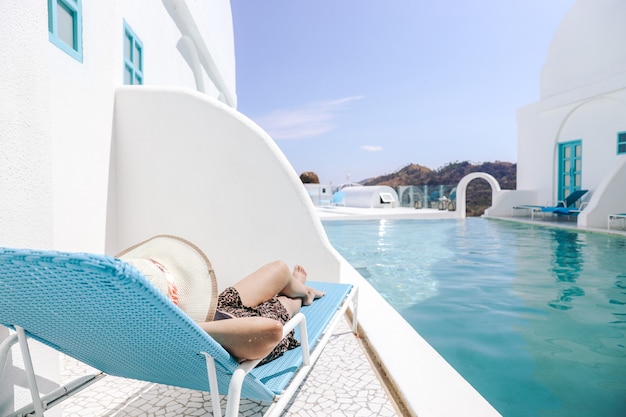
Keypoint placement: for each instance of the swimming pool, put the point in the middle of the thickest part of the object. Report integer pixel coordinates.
(533, 317)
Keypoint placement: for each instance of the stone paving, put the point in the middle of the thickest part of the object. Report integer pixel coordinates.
(343, 383)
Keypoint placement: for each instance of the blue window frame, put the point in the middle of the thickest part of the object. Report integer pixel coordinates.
(133, 57)
(621, 143)
(65, 26)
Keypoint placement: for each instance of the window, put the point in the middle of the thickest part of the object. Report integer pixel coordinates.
(621, 143)
(133, 57)
(386, 198)
(65, 26)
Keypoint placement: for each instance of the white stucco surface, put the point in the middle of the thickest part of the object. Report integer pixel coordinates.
(188, 165)
(26, 199)
(583, 98)
(57, 111)
(588, 47)
(25, 146)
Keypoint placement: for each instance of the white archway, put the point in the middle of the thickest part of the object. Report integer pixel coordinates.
(461, 190)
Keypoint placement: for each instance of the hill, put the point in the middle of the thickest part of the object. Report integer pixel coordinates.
(478, 191)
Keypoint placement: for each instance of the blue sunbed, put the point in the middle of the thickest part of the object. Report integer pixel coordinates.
(105, 313)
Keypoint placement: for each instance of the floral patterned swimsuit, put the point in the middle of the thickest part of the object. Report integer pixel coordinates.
(229, 306)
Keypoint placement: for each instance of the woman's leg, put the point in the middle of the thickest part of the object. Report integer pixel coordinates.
(263, 284)
(276, 279)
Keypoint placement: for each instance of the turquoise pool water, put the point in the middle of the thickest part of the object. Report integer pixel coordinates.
(533, 317)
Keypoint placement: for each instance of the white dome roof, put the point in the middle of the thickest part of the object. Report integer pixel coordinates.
(587, 47)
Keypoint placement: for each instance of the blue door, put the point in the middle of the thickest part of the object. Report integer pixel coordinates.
(570, 167)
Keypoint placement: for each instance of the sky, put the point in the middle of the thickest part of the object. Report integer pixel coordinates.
(354, 89)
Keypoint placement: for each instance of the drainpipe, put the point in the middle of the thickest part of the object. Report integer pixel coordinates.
(188, 50)
(187, 25)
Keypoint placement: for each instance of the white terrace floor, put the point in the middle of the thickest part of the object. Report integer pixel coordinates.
(343, 382)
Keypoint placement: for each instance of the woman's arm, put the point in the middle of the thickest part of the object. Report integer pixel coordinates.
(247, 337)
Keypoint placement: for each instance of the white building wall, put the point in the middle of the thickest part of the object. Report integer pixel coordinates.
(535, 154)
(320, 194)
(80, 106)
(583, 97)
(586, 48)
(25, 146)
(160, 68)
(81, 101)
(56, 123)
(596, 122)
(25, 158)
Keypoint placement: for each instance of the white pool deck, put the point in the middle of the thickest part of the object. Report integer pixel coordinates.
(615, 225)
(346, 381)
(357, 213)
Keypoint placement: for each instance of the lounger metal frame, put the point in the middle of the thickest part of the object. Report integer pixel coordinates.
(614, 217)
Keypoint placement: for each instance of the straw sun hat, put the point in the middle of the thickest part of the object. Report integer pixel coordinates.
(180, 270)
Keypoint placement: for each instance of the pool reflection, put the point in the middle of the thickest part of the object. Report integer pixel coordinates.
(567, 262)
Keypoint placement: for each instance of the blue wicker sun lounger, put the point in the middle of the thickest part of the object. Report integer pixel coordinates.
(565, 207)
(105, 313)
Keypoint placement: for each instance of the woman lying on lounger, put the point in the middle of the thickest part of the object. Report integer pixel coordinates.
(258, 306)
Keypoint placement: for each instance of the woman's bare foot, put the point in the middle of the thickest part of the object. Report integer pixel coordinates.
(296, 288)
(299, 273)
(311, 295)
